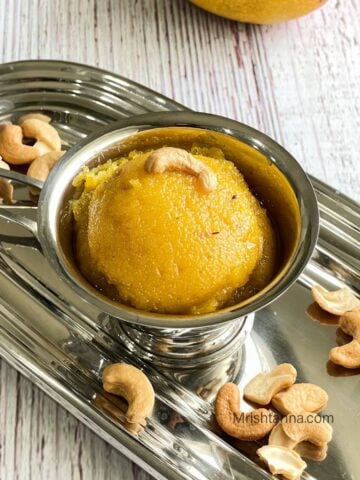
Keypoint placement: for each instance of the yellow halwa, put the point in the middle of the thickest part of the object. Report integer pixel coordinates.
(158, 242)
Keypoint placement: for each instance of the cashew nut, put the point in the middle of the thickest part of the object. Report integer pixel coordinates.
(132, 384)
(305, 449)
(279, 438)
(264, 386)
(45, 134)
(350, 323)
(244, 426)
(41, 167)
(14, 151)
(116, 411)
(12, 148)
(301, 397)
(177, 159)
(337, 302)
(308, 450)
(348, 355)
(6, 188)
(282, 461)
(310, 427)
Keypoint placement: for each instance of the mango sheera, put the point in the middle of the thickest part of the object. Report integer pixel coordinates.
(172, 239)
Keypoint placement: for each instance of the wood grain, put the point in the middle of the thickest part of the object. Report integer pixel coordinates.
(298, 82)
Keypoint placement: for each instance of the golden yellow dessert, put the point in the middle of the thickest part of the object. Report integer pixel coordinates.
(172, 231)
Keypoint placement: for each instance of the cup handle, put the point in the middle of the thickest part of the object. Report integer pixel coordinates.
(21, 178)
(10, 216)
(25, 222)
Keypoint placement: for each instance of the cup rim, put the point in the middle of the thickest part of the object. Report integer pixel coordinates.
(63, 173)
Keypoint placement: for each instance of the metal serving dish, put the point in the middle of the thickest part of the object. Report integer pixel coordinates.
(271, 172)
(62, 342)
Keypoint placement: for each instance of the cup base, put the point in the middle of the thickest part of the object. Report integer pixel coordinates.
(186, 348)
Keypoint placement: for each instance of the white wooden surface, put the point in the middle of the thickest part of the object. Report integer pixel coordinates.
(299, 82)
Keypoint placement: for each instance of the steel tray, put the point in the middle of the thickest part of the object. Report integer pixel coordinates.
(61, 343)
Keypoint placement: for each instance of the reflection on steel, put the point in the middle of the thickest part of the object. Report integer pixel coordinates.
(62, 342)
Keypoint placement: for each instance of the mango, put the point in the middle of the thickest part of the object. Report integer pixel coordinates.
(260, 11)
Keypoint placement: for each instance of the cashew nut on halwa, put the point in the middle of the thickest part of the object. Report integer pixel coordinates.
(249, 426)
(176, 159)
(264, 386)
(337, 302)
(41, 167)
(14, 151)
(348, 355)
(301, 397)
(6, 187)
(133, 385)
(282, 461)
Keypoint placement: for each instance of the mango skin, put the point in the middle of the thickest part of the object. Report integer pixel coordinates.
(260, 11)
(157, 242)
